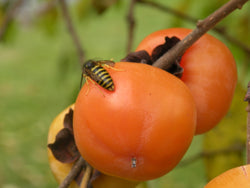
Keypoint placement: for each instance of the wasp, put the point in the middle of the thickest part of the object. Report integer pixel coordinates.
(94, 71)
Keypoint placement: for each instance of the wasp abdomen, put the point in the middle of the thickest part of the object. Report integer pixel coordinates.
(102, 77)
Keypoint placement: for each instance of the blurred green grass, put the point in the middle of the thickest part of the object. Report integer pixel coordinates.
(39, 77)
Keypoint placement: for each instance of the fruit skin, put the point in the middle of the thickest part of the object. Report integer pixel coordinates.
(60, 170)
(151, 116)
(238, 177)
(209, 72)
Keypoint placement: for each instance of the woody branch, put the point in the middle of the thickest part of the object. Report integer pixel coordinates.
(202, 27)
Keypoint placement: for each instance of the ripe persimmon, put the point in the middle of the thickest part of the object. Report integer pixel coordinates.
(209, 72)
(61, 170)
(139, 131)
(238, 177)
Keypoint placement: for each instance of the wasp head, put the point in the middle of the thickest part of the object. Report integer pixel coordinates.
(89, 64)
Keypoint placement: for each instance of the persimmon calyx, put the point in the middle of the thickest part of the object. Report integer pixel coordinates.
(142, 56)
(65, 150)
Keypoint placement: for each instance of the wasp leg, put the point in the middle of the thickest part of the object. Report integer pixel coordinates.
(86, 81)
(88, 78)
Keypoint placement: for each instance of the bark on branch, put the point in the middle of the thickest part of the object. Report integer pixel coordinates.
(247, 98)
(206, 154)
(190, 19)
(131, 24)
(72, 31)
(77, 167)
(201, 28)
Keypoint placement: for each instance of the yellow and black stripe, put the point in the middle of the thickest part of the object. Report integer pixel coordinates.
(103, 77)
(96, 72)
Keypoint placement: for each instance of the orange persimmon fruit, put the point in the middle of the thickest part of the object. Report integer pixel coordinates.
(238, 177)
(209, 72)
(139, 131)
(60, 170)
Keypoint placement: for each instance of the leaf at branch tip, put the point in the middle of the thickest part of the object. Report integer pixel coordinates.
(47, 20)
(102, 5)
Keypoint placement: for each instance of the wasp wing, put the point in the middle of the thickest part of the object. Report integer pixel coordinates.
(91, 75)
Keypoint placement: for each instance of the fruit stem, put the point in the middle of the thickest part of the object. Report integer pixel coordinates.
(86, 177)
(247, 98)
(77, 167)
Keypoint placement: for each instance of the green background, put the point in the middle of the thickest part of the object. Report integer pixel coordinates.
(40, 76)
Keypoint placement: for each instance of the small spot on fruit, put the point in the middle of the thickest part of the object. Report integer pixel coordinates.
(133, 162)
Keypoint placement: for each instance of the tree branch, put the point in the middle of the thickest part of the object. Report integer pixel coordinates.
(131, 25)
(87, 176)
(72, 30)
(9, 16)
(247, 98)
(206, 154)
(75, 170)
(190, 19)
(81, 162)
(201, 28)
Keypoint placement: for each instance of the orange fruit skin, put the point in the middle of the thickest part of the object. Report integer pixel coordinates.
(150, 116)
(238, 177)
(209, 72)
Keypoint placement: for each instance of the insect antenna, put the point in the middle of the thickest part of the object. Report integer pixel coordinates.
(81, 81)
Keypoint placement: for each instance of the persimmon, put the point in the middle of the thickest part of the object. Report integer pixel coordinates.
(139, 131)
(238, 177)
(209, 72)
(61, 170)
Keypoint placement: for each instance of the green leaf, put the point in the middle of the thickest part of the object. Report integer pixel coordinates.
(83, 8)
(102, 5)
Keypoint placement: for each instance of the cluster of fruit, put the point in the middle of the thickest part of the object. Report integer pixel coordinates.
(134, 122)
